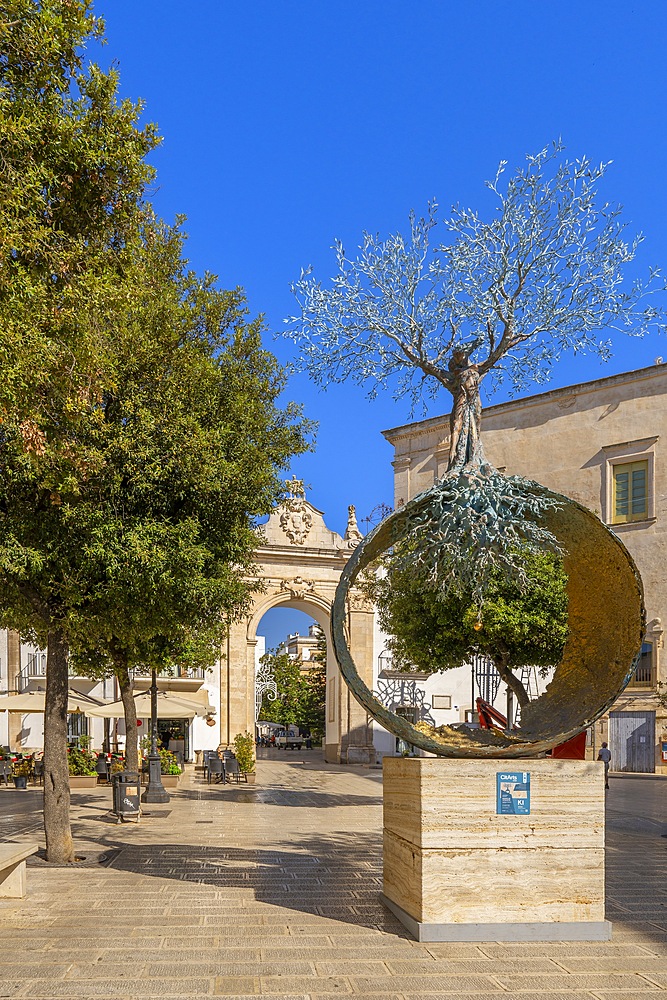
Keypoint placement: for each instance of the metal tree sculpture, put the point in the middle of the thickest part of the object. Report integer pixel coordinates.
(505, 298)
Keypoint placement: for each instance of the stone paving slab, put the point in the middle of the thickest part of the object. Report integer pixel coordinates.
(443, 983)
(594, 981)
(545, 994)
(277, 899)
(550, 949)
(454, 966)
(646, 965)
(115, 988)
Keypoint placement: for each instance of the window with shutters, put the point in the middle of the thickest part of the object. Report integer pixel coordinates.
(628, 484)
(630, 492)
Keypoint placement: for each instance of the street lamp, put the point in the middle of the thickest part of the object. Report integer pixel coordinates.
(155, 791)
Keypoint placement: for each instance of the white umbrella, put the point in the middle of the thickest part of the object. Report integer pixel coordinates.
(33, 701)
(169, 706)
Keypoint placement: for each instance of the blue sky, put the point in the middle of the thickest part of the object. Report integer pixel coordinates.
(288, 124)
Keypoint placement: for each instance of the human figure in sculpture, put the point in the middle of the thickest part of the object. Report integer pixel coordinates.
(466, 415)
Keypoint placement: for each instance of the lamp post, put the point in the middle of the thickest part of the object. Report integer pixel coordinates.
(155, 791)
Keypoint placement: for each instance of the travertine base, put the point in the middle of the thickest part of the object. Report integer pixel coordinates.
(454, 870)
(12, 870)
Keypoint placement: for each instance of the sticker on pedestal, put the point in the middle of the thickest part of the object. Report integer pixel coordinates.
(513, 793)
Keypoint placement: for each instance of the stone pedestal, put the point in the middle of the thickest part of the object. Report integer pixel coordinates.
(457, 870)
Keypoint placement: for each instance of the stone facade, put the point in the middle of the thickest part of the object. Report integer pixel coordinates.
(571, 440)
(300, 561)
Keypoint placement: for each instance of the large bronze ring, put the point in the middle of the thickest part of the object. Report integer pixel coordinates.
(606, 625)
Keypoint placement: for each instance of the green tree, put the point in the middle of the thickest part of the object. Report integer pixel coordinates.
(516, 627)
(72, 177)
(315, 688)
(301, 690)
(73, 173)
(132, 478)
(191, 443)
(288, 708)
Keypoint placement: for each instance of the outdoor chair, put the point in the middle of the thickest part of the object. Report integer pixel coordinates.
(216, 769)
(5, 771)
(102, 768)
(38, 771)
(206, 758)
(232, 769)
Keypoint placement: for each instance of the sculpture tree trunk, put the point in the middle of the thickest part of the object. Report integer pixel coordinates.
(59, 843)
(130, 710)
(465, 420)
(466, 454)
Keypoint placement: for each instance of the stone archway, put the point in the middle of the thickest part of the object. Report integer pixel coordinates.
(300, 561)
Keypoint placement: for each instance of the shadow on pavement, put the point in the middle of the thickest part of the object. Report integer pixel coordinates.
(337, 877)
(292, 797)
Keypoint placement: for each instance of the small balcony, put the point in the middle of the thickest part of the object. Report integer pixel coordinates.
(34, 670)
(644, 676)
(180, 679)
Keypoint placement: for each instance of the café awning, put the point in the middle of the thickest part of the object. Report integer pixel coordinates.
(169, 706)
(33, 701)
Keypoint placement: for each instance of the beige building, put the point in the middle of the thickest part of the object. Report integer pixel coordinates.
(302, 647)
(603, 443)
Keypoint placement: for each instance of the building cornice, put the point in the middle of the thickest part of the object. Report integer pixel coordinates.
(394, 434)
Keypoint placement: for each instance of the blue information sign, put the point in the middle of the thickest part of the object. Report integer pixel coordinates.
(513, 793)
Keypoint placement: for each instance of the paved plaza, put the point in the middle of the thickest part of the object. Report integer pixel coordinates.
(272, 891)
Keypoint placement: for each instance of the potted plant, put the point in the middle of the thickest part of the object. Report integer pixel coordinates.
(169, 769)
(82, 765)
(21, 773)
(244, 745)
(169, 766)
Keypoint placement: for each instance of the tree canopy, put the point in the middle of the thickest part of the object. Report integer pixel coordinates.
(518, 625)
(549, 270)
(546, 272)
(141, 433)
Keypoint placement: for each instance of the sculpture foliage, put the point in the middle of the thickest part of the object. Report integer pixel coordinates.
(547, 272)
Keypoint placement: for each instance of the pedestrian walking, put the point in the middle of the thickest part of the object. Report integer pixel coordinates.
(605, 755)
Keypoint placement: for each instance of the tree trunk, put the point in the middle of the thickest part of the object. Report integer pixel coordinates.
(59, 843)
(511, 679)
(130, 709)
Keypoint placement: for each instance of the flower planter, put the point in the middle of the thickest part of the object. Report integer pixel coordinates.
(250, 777)
(170, 780)
(77, 781)
(20, 781)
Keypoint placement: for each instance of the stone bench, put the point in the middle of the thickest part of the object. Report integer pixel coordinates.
(12, 869)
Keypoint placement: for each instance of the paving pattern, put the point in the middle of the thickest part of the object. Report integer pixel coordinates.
(272, 891)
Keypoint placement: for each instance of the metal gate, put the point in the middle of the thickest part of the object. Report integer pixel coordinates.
(632, 741)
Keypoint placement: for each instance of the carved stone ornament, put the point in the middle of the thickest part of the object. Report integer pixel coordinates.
(352, 534)
(358, 601)
(297, 588)
(296, 520)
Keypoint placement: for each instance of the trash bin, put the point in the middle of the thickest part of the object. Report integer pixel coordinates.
(126, 795)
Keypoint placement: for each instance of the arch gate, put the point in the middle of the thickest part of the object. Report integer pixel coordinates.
(300, 562)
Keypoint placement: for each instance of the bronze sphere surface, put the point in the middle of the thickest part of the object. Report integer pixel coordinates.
(606, 623)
